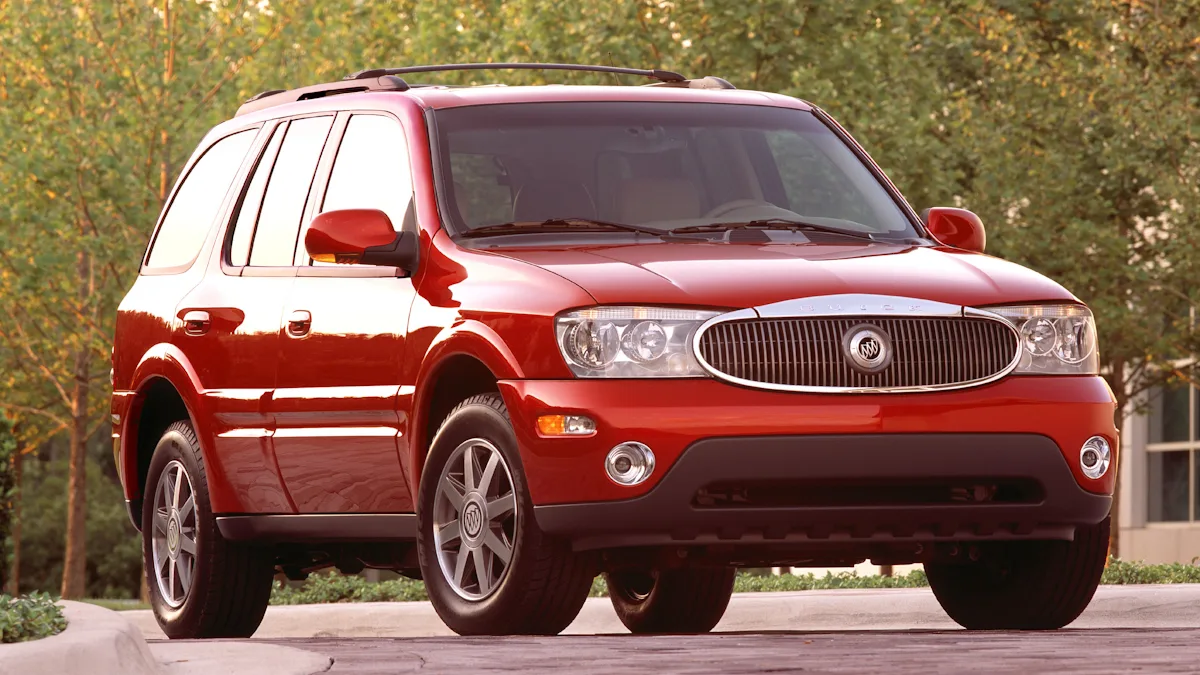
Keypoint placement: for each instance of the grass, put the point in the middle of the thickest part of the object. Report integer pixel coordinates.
(117, 604)
(30, 617)
(327, 588)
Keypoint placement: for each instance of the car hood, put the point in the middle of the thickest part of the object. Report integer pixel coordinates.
(727, 275)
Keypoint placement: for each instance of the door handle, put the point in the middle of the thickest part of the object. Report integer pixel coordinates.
(196, 322)
(299, 323)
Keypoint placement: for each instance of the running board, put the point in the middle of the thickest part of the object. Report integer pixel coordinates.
(320, 527)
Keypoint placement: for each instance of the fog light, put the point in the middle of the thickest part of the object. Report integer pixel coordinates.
(629, 463)
(565, 425)
(1094, 457)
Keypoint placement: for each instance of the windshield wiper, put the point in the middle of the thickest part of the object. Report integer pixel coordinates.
(772, 224)
(559, 225)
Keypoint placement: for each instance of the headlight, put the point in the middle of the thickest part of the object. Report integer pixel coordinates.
(630, 341)
(1055, 339)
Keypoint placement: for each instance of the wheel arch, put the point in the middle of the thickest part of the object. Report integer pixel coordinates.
(166, 392)
(470, 359)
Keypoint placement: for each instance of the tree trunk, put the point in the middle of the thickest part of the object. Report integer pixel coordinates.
(14, 578)
(74, 584)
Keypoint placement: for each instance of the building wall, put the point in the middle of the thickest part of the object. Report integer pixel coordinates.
(1160, 477)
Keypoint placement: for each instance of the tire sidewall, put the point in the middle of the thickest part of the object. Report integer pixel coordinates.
(475, 420)
(175, 444)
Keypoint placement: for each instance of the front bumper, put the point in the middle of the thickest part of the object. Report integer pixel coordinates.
(844, 489)
(671, 416)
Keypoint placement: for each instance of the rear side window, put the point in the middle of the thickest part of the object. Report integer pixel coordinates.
(287, 192)
(197, 201)
(243, 229)
(371, 170)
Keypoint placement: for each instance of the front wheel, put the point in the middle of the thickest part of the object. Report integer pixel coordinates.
(201, 586)
(671, 601)
(487, 567)
(1035, 585)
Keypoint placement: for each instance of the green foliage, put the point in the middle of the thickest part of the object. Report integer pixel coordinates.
(332, 588)
(29, 617)
(329, 588)
(114, 571)
(1126, 572)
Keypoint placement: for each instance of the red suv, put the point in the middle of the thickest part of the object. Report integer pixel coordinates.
(505, 339)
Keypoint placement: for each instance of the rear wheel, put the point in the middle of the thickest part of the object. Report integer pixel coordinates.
(1036, 585)
(201, 586)
(672, 601)
(488, 569)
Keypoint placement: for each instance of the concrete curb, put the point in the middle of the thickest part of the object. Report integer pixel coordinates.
(97, 641)
(1158, 606)
(222, 657)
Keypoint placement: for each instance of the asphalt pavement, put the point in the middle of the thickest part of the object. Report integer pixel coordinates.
(1147, 629)
(1091, 651)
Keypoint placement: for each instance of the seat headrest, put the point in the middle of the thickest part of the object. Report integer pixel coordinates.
(648, 200)
(542, 200)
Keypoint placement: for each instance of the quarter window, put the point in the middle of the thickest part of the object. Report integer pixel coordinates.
(287, 192)
(197, 201)
(1173, 454)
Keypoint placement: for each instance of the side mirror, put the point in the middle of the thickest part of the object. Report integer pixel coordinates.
(958, 228)
(360, 237)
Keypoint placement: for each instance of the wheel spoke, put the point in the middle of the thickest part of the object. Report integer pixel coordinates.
(501, 506)
(185, 574)
(482, 571)
(452, 494)
(172, 566)
(499, 548)
(186, 509)
(449, 532)
(469, 468)
(160, 548)
(186, 543)
(460, 565)
(178, 488)
(160, 521)
(489, 472)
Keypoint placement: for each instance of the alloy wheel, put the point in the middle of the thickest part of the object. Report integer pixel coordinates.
(174, 534)
(474, 519)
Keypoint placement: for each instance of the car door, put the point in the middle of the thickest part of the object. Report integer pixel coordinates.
(344, 332)
(228, 328)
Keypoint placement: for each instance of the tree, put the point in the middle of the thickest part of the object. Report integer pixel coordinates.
(101, 103)
(1080, 122)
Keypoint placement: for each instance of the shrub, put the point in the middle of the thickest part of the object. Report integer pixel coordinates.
(329, 588)
(29, 617)
(1127, 572)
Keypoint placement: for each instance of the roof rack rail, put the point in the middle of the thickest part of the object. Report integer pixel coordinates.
(656, 74)
(276, 97)
(706, 82)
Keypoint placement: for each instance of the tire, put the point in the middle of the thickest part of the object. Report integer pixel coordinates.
(230, 583)
(543, 585)
(674, 601)
(1039, 585)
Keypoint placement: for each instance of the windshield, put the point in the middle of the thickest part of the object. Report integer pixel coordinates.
(657, 166)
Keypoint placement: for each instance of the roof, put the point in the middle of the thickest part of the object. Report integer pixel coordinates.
(455, 97)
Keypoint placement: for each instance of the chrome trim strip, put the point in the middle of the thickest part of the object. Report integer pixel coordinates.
(849, 305)
(856, 304)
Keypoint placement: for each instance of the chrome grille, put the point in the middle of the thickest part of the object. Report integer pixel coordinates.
(807, 354)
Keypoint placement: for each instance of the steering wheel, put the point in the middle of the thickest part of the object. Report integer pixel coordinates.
(737, 205)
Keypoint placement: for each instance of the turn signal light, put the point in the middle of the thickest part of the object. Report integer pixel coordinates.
(565, 425)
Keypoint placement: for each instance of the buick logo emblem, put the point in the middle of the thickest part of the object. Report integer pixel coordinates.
(868, 349)
(472, 519)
